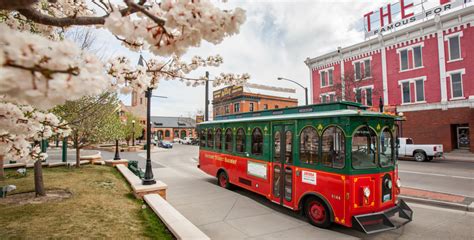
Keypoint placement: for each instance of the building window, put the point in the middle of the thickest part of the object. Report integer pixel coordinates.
(251, 107)
(167, 133)
(331, 97)
(219, 139)
(257, 142)
(454, 48)
(265, 106)
(210, 138)
(141, 100)
(309, 146)
(406, 92)
(333, 148)
(330, 77)
(420, 90)
(404, 60)
(367, 68)
(357, 70)
(226, 108)
(323, 79)
(276, 106)
(358, 95)
(202, 141)
(327, 77)
(368, 96)
(327, 97)
(236, 107)
(323, 99)
(240, 141)
(417, 59)
(228, 140)
(456, 85)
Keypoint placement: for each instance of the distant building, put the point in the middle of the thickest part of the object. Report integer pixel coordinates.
(233, 99)
(169, 128)
(137, 108)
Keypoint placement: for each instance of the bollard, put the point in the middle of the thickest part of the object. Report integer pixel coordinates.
(64, 158)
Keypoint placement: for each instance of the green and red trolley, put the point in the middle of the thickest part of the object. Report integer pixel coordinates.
(335, 162)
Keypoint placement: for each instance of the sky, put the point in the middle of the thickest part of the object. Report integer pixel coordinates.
(273, 42)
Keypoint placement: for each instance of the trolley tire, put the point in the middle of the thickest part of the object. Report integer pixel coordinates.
(223, 180)
(419, 156)
(317, 212)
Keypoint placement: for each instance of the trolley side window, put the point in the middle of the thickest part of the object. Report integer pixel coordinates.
(210, 138)
(309, 146)
(289, 147)
(257, 142)
(218, 137)
(240, 141)
(333, 148)
(364, 154)
(386, 148)
(202, 141)
(228, 140)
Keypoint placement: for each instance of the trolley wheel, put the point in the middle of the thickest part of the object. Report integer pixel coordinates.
(420, 156)
(223, 180)
(317, 212)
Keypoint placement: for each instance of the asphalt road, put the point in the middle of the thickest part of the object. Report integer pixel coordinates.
(240, 214)
(446, 176)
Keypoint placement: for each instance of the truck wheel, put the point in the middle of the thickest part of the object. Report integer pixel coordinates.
(317, 212)
(420, 156)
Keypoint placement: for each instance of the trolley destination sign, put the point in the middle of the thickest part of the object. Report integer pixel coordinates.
(407, 14)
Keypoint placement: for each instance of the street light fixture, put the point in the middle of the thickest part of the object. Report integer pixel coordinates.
(133, 132)
(305, 88)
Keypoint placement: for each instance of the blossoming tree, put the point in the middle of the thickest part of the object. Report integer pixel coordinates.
(39, 69)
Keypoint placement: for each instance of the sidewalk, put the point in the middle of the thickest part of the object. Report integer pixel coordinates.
(437, 199)
(459, 155)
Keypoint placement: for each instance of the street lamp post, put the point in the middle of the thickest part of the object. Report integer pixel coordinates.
(133, 132)
(206, 96)
(117, 155)
(305, 88)
(148, 179)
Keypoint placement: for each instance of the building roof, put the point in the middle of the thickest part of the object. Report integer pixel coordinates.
(172, 122)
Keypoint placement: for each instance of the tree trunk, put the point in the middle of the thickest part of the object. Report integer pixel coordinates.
(2, 172)
(39, 184)
(78, 157)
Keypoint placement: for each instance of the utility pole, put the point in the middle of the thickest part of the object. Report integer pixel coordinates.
(206, 102)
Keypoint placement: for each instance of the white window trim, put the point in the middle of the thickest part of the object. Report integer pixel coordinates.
(410, 48)
(462, 71)
(413, 81)
(326, 94)
(446, 38)
(365, 92)
(362, 62)
(327, 74)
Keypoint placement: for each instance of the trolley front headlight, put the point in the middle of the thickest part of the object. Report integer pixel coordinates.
(366, 192)
(399, 184)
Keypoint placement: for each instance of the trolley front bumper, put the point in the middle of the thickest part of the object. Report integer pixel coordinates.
(384, 221)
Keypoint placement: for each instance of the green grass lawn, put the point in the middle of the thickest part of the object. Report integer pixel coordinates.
(101, 206)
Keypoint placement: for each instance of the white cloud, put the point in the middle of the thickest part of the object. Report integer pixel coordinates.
(274, 41)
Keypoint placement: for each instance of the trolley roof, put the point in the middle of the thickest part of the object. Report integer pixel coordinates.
(301, 112)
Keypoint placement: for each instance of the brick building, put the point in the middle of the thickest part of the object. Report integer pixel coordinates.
(234, 99)
(425, 70)
(169, 128)
(137, 108)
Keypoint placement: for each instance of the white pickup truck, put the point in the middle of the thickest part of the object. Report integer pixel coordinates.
(421, 152)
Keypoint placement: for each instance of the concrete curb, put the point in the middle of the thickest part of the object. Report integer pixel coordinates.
(436, 203)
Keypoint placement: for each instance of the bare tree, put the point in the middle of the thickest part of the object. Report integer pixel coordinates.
(87, 39)
(349, 82)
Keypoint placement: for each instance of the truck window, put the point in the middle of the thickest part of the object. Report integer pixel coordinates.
(409, 141)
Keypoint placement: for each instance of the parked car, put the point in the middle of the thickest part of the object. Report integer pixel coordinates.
(421, 152)
(187, 140)
(177, 140)
(166, 144)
